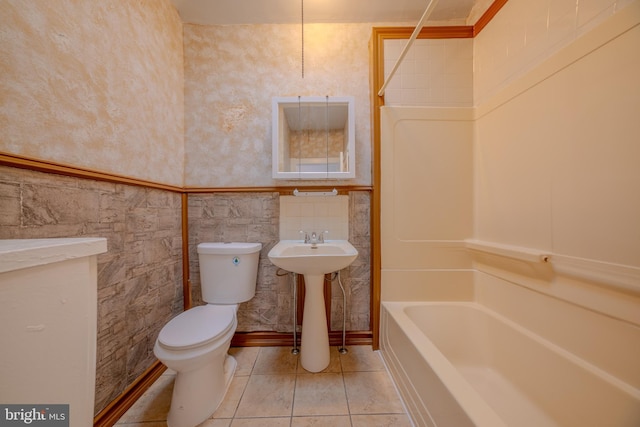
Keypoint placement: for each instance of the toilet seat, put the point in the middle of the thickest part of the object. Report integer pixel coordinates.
(197, 326)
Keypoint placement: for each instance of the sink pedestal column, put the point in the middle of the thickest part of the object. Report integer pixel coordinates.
(314, 343)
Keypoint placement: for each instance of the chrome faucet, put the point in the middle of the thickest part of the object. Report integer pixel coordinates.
(314, 239)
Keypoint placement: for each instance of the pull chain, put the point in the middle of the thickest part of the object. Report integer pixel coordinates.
(326, 132)
(302, 30)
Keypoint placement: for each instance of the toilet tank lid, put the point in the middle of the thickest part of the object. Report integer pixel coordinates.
(235, 248)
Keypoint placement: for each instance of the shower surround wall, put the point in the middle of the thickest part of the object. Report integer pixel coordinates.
(525, 33)
(553, 164)
(434, 72)
(556, 152)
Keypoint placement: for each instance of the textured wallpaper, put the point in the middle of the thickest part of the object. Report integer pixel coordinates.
(231, 74)
(95, 84)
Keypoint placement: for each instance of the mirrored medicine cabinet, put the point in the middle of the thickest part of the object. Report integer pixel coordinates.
(313, 137)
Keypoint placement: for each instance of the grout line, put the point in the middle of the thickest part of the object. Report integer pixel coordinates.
(341, 364)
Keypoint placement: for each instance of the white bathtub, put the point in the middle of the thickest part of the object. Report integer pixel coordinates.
(459, 364)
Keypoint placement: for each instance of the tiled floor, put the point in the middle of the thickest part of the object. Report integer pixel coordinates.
(270, 389)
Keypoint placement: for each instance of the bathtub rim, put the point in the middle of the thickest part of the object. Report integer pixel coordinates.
(539, 339)
(443, 368)
(473, 404)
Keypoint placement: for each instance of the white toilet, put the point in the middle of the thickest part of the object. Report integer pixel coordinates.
(195, 343)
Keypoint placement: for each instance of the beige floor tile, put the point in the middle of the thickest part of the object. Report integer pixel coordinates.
(320, 394)
(267, 396)
(246, 358)
(361, 358)
(154, 403)
(325, 421)
(261, 422)
(356, 383)
(275, 360)
(371, 393)
(391, 420)
(229, 404)
(334, 363)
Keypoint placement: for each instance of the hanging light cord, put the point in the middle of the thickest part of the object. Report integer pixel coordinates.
(302, 31)
(326, 131)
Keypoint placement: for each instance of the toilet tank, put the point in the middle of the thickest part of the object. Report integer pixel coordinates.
(228, 271)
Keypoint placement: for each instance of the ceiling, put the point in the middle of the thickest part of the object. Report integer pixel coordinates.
(231, 12)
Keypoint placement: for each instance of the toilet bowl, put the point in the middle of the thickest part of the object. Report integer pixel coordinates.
(195, 343)
(197, 356)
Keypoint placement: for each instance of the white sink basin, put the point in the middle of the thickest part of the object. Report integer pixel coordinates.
(305, 258)
(313, 261)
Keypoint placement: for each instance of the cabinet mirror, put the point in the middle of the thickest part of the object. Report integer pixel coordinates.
(313, 137)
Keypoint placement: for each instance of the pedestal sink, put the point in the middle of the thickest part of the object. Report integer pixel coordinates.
(313, 261)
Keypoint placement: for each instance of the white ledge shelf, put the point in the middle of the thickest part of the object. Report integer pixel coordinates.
(514, 252)
(611, 275)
